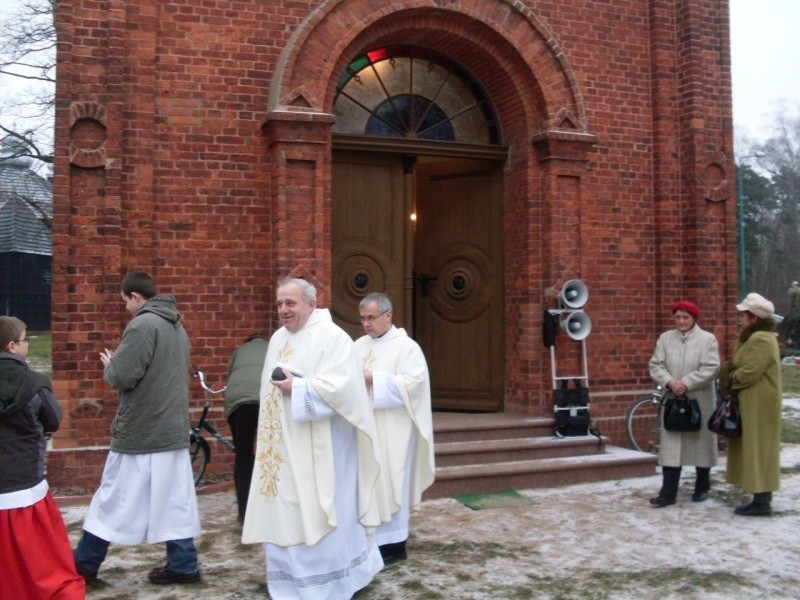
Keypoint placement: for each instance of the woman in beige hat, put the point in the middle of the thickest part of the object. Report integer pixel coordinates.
(755, 373)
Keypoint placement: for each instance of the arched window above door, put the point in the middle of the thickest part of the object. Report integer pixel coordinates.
(413, 92)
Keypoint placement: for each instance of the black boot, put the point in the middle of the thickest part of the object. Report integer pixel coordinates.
(391, 553)
(702, 484)
(761, 506)
(669, 487)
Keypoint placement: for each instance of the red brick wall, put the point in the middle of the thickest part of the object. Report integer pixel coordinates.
(194, 142)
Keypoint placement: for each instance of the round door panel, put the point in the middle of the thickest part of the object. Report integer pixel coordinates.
(359, 271)
(461, 291)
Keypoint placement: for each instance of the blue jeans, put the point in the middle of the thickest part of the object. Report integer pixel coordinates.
(92, 550)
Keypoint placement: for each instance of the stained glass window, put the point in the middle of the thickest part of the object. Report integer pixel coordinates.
(414, 93)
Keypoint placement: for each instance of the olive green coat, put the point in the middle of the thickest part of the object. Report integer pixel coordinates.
(755, 372)
(244, 374)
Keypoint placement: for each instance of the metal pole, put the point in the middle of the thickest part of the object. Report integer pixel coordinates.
(742, 242)
(742, 252)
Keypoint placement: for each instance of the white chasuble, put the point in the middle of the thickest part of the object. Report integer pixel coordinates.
(295, 483)
(401, 395)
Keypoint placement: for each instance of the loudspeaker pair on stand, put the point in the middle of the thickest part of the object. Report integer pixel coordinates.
(569, 316)
(572, 416)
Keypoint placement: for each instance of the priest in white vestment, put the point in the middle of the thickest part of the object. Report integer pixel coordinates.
(397, 376)
(312, 498)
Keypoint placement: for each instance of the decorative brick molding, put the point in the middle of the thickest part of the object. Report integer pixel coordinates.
(88, 135)
(341, 28)
(715, 184)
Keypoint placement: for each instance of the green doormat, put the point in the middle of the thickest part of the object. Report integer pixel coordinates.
(503, 499)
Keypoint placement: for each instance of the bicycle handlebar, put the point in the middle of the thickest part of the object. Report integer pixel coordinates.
(198, 374)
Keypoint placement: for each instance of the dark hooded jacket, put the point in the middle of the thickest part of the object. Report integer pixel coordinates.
(150, 368)
(28, 410)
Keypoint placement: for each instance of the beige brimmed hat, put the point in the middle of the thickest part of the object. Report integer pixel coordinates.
(758, 305)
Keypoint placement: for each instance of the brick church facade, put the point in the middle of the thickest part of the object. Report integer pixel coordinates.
(467, 156)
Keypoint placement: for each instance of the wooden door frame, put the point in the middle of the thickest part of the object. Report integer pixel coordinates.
(360, 143)
(346, 143)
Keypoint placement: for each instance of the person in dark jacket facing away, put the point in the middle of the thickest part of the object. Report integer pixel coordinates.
(37, 561)
(241, 410)
(147, 488)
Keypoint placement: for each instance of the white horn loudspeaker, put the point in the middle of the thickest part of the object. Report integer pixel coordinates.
(577, 325)
(573, 294)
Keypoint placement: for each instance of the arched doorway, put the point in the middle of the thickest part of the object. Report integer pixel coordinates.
(521, 66)
(417, 213)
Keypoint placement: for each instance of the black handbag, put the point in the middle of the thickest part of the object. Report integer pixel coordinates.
(726, 419)
(681, 413)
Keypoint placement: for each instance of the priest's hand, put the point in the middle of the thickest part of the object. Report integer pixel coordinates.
(368, 376)
(284, 385)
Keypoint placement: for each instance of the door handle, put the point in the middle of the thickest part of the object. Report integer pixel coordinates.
(423, 279)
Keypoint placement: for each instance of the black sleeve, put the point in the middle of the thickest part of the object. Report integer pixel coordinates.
(49, 410)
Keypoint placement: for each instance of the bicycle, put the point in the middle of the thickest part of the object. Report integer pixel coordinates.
(643, 422)
(199, 448)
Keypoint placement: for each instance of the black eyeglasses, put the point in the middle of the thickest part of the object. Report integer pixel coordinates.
(20, 341)
(371, 318)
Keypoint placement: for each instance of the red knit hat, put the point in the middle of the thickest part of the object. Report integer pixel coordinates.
(686, 306)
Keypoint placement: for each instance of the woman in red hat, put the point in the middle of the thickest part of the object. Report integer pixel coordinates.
(686, 362)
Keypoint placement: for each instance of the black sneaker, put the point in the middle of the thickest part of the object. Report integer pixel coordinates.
(165, 575)
(392, 553)
(87, 577)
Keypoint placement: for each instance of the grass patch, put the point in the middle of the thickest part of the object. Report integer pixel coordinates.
(790, 374)
(417, 589)
(790, 426)
(40, 352)
(470, 553)
(597, 585)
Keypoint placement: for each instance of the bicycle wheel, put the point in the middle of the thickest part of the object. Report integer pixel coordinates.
(643, 424)
(200, 454)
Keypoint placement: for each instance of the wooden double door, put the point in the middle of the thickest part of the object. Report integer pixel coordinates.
(428, 232)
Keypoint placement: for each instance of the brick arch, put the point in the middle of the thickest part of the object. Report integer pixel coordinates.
(495, 39)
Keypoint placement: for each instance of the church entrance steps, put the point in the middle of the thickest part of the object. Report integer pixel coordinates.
(490, 452)
(461, 427)
(450, 454)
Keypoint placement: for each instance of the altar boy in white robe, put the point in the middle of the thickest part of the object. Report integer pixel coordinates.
(312, 497)
(396, 374)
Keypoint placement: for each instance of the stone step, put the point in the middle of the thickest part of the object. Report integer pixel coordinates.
(450, 454)
(461, 427)
(490, 452)
(614, 463)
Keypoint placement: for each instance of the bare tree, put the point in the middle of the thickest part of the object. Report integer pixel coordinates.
(760, 206)
(27, 73)
(772, 211)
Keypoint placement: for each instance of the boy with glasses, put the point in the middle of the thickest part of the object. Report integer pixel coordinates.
(37, 559)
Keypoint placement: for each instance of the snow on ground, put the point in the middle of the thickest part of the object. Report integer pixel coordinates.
(588, 541)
